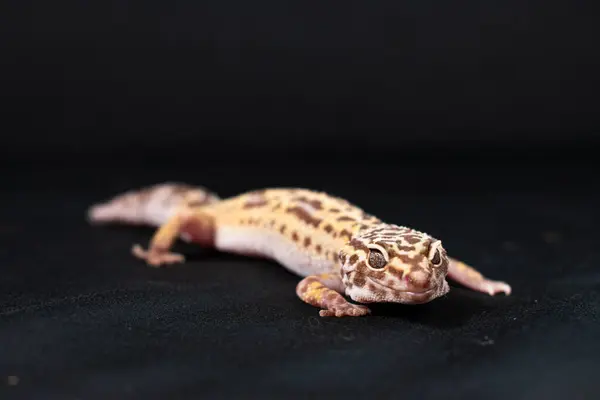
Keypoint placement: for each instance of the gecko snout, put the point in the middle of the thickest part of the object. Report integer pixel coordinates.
(420, 279)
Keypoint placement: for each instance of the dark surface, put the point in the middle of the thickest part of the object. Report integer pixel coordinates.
(80, 318)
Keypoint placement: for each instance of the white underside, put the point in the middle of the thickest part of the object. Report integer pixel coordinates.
(272, 245)
(233, 239)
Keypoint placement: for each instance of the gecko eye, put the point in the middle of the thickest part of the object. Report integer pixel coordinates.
(435, 254)
(436, 259)
(376, 259)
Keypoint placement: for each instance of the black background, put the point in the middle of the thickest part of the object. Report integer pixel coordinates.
(476, 122)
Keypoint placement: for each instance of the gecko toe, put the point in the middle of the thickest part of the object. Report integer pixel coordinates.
(498, 287)
(506, 289)
(156, 259)
(346, 310)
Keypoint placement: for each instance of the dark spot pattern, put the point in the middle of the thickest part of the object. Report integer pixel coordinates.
(314, 203)
(331, 297)
(254, 221)
(255, 202)
(304, 216)
(398, 273)
(407, 248)
(359, 280)
(197, 203)
(373, 234)
(345, 233)
(411, 239)
(404, 258)
(358, 245)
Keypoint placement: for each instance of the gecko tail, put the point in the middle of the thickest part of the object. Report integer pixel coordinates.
(152, 205)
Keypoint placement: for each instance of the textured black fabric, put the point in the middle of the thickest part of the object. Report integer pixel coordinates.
(80, 318)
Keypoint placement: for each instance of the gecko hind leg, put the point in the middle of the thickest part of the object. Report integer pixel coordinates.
(473, 279)
(324, 291)
(187, 223)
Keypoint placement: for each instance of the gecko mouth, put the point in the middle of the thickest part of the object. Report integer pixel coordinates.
(394, 295)
(409, 292)
(417, 296)
(420, 292)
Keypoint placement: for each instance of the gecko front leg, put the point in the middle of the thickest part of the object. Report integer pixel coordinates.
(473, 279)
(324, 291)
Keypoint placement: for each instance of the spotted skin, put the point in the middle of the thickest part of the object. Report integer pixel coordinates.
(346, 257)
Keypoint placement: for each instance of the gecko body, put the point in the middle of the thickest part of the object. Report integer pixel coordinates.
(334, 246)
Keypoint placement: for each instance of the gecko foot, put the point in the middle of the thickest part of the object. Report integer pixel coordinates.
(494, 287)
(156, 258)
(473, 279)
(345, 310)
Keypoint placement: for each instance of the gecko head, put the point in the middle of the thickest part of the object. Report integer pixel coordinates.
(394, 264)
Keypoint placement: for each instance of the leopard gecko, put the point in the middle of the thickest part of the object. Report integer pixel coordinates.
(337, 249)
